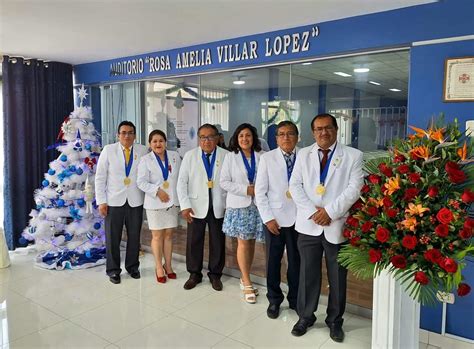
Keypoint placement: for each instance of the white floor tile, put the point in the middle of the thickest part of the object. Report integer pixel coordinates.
(359, 328)
(62, 335)
(118, 319)
(230, 344)
(10, 297)
(21, 319)
(349, 344)
(171, 332)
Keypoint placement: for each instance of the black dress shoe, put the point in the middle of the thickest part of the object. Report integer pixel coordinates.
(115, 279)
(217, 284)
(135, 274)
(301, 327)
(273, 311)
(191, 283)
(336, 333)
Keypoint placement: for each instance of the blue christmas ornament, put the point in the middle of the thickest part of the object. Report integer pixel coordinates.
(51, 172)
(88, 147)
(22, 241)
(45, 183)
(63, 158)
(88, 253)
(97, 226)
(79, 171)
(81, 202)
(67, 237)
(72, 168)
(60, 202)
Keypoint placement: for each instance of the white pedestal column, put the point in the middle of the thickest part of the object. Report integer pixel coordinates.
(396, 317)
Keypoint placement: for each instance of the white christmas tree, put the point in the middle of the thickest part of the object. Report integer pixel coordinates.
(66, 226)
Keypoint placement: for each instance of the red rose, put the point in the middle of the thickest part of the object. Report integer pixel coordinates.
(374, 179)
(449, 265)
(409, 242)
(365, 189)
(399, 261)
(410, 194)
(442, 230)
(367, 226)
(391, 212)
(387, 202)
(372, 211)
(347, 233)
(357, 205)
(465, 233)
(421, 278)
(451, 166)
(352, 221)
(403, 169)
(467, 197)
(463, 289)
(374, 255)
(399, 158)
(433, 255)
(433, 191)
(414, 177)
(469, 223)
(355, 241)
(382, 234)
(385, 169)
(444, 216)
(457, 176)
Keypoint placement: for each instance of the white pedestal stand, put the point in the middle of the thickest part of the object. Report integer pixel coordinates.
(4, 257)
(396, 317)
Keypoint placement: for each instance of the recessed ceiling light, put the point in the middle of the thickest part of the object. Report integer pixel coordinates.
(374, 83)
(306, 63)
(395, 90)
(238, 81)
(340, 73)
(361, 70)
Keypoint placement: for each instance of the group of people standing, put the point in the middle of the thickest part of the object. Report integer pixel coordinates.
(289, 198)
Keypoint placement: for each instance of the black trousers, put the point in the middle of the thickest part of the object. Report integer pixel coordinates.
(275, 248)
(116, 217)
(195, 246)
(311, 250)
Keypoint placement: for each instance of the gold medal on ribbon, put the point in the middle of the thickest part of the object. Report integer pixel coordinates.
(166, 185)
(127, 181)
(288, 194)
(320, 189)
(210, 184)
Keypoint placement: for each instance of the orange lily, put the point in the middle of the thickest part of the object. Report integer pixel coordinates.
(393, 185)
(437, 134)
(416, 210)
(420, 133)
(421, 152)
(410, 223)
(462, 152)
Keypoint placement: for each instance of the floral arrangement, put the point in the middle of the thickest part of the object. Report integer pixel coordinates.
(412, 218)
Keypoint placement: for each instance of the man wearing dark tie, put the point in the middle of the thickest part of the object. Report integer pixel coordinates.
(325, 183)
(202, 203)
(120, 201)
(278, 212)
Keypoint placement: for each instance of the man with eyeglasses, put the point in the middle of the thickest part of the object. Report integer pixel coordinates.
(278, 212)
(120, 201)
(326, 182)
(202, 203)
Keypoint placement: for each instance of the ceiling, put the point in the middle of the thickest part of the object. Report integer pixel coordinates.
(85, 31)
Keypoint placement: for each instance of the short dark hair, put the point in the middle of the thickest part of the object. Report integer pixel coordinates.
(127, 123)
(234, 141)
(287, 123)
(154, 133)
(325, 115)
(212, 127)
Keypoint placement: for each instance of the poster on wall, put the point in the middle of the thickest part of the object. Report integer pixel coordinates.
(459, 80)
(182, 125)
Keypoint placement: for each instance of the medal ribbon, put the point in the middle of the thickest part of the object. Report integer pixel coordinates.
(289, 169)
(164, 167)
(209, 166)
(324, 172)
(128, 166)
(251, 168)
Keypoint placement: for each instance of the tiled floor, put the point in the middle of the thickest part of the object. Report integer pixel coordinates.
(82, 309)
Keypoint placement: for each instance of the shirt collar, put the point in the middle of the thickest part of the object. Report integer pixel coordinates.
(331, 148)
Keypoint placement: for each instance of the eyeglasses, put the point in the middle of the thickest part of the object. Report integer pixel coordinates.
(208, 138)
(287, 134)
(329, 128)
(125, 133)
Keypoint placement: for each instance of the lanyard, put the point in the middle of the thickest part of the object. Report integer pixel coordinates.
(165, 167)
(289, 169)
(251, 168)
(128, 166)
(324, 172)
(209, 166)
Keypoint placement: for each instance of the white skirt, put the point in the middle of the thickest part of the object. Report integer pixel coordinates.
(165, 218)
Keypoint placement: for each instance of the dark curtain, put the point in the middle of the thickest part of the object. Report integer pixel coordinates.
(37, 96)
